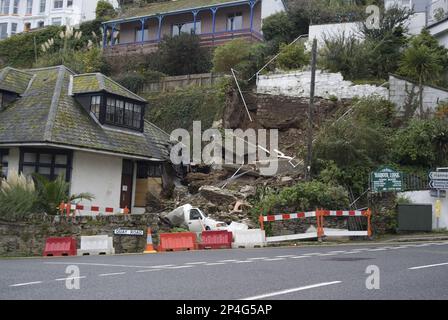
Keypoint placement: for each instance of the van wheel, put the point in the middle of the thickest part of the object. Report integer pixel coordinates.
(207, 228)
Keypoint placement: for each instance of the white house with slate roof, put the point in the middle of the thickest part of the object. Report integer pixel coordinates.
(85, 127)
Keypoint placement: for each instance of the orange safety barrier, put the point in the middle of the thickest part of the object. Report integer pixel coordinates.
(216, 240)
(321, 214)
(177, 241)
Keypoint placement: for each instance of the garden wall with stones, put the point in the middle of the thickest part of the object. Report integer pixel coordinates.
(27, 238)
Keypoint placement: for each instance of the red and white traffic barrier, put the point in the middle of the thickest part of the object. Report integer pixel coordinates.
(70, 209)
(320, 221)
(289, 216)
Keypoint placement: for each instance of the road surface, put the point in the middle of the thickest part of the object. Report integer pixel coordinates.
(406, 271)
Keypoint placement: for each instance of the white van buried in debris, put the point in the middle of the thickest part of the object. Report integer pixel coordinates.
(195, 220)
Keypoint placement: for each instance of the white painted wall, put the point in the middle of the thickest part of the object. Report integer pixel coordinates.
(416, 23)
(331, 30)
(99, 175)
(423, 197)
(440, 31)
(270, 7)
(297, 84)
(398, 89)
(13, 160)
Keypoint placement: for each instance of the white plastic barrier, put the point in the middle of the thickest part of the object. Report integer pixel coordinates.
(249, 238)
(96, 245)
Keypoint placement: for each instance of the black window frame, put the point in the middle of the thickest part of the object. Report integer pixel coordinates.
(147, 170)
(3, 163)
(120, 119)
(97, 106)
(52, 165)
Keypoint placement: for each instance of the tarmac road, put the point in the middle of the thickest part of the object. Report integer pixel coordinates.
(406, 271)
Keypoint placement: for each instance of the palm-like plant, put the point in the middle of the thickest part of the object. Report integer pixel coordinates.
(421, 63)
(52, 193)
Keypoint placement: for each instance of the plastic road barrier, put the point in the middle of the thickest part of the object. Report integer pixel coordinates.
(249, 238)
(292, 216)
(96, 245)
(216, 240)
(65, 246)
(177, 241)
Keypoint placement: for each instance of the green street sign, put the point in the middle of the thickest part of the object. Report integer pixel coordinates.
(386, 180)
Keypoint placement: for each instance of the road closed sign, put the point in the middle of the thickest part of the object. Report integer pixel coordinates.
(386, 180)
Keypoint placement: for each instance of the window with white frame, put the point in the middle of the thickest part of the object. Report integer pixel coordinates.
(69, 3)
(43, 6)
(95, 105)
(29, 6)
(187, 27)
(3, 30)
(58, 4)
(41, 24)
(15, 9)
(13, 28)
(4, 6)
(235, 21)
(56, 22)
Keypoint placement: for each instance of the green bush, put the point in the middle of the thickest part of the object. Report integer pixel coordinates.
(304, 196)
(18, 197)
(293, 57)
(230, 55)
(105, 11)
(178, 109)
(133, 81)
(181, 55)
(52, 193)
(422, 143)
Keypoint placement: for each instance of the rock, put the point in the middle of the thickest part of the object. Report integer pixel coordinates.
(248, 191)
(217, 195)
(286, 179)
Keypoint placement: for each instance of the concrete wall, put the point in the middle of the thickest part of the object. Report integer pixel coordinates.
(297, 84)
(331, 30)
(440, 31)
(99, 175)
(398, 88)
(13, 160)
(423, 197)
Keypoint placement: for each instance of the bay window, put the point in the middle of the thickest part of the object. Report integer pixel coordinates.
(50, 163)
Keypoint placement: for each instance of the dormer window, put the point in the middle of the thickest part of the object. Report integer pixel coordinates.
(124, 113)
(108, 102)
(95, 106)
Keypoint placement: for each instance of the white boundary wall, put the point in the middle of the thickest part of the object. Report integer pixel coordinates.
(297, 84)
(423, 197)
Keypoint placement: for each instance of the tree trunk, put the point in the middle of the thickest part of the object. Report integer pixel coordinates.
(420, 84)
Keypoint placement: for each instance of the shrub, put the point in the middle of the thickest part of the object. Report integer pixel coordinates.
(181, 55)
(345, 54)
(422, 143)
(292, 56)
(304, 196)
(133, 81)
(230, 55)
(18, 196)
(52, 193)
(279, 29)
(105, 11)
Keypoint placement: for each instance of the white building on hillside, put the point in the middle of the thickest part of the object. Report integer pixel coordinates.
(23, 15)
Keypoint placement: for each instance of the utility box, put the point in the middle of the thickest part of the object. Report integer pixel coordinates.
(415, 217)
